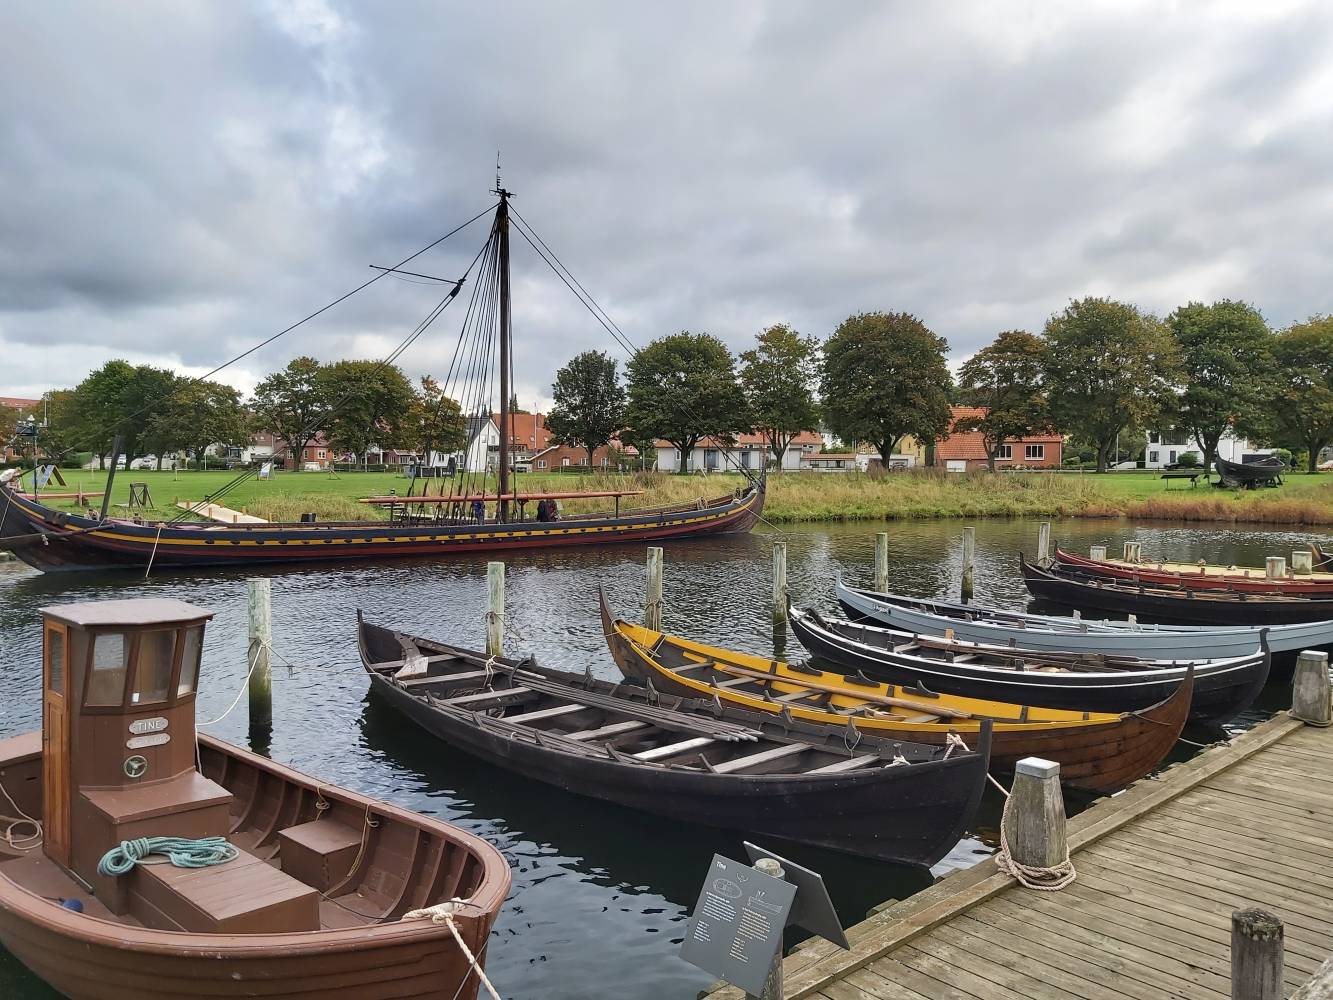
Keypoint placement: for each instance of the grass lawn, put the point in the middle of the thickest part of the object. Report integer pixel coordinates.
(925, 493)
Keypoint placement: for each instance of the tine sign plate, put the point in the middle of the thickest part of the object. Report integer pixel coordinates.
(813, 909)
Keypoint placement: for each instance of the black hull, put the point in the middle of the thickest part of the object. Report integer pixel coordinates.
(56, 541)
(911, 815)
(1219, 694)
(1170, 607)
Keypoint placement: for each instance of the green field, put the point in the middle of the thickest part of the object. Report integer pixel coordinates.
(925, 493)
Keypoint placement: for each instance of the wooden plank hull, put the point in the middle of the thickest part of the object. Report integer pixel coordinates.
(55, 541)
(1213, 578)
(1100, 756)
(87, 957)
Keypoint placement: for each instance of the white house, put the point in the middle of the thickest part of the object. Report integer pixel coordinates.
(747, 452)
(1164, 448)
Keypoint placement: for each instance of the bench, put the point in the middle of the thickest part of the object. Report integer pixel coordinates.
(1192, 476)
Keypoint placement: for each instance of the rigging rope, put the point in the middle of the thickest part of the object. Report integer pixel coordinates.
(182, 852)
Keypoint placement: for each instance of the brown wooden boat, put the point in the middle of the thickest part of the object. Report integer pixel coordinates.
(1200, 576)
(1097, 751)
(314, 904)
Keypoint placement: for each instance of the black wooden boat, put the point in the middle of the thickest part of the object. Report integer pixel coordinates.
(1221, 688)
(1083, 589)
(1266, 471)
(690, 760)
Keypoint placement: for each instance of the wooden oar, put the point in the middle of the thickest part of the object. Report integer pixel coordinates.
(874, 699)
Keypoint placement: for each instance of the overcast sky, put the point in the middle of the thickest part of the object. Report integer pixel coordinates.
(181, 180)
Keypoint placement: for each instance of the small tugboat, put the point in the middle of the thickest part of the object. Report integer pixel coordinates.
(277, 886)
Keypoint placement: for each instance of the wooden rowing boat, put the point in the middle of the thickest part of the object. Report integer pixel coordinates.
(1198, 577)
(1097, 752)
(702, 762)
(1183, 604)
(1061, 633)
(315, 904)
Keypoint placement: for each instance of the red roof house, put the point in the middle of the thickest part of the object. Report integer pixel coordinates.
(965, 450)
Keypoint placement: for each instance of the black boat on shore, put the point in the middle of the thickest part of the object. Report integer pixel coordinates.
(690, 760)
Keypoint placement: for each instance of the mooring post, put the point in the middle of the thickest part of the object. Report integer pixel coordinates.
(969, 558)
(882, 562)
(1275, 567)
(652, 601)
(1044, 543)
(1311, 690)
(258, 598)
(1097, 552)
(1302, 562)
(1133, 552)
(1035, 814)
(1256, 955)
(495, 608)
(773, 983)
(779, 582)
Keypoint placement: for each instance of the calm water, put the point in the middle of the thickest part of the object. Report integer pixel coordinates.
(600, 894)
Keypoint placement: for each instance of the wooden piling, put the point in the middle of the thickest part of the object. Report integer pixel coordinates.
(1311, 690)
(882, 562)
(1133, 552)
(1256, 955)
(1302, 562)
(1035, 815)
(495, 610)
(1097, 552)
(652, 600)
(969, 559)
(1275, 567)
(1044, 543)
(773, 983)
(779, 583)
(258, 599)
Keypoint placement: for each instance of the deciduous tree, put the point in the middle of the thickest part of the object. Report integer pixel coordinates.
(884, 377)
(1304, 403)
(779, 375)
(1226, 353)
(289, 403)
(368, 404)
(120, 398)
(589, 402)
(1109, 367)
(196, 416)
(435, 422)
(683, 388)
(1006, 381)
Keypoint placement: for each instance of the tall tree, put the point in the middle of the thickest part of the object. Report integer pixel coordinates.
(589, 402)
(9, 416)
(779, 375)
(1109, 367)
(1226, 353)
(368, 404)
(435, 423)
(289, 403)
(120, 398)
(1006, 382)
(682, 388)
(884, 377)
(1304, 402)
(198, 415)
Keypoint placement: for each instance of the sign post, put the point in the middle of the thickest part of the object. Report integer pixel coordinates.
(735, 931)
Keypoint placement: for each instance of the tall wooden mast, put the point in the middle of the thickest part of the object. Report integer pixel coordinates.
(502, 223)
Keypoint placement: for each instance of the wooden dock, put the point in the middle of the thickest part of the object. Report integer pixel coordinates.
(1160, 869)
(216, 512)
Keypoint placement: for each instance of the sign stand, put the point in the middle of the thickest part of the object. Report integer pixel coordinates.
(735, 931)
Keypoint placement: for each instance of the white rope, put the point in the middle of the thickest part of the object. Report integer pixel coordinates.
(489, 667)
(11, 822)
(153, 555)
(443, 913)
(244, 684)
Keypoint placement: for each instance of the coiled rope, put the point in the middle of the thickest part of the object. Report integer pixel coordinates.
(443, 913)
(180, 851)
(23, 819)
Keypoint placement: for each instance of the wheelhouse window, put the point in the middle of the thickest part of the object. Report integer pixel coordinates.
(106, 678)
(193, 648)
(152, 675)
(1034, 451)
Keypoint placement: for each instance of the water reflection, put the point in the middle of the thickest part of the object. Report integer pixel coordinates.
(600, 893)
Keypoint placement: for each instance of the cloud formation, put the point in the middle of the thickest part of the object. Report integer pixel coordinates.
(183, 180)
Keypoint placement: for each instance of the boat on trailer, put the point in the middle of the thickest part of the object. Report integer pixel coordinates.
(1099, 752)
(322, 892)
(1061, 633)
(696, 761)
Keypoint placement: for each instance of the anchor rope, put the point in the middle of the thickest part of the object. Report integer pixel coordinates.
(443, 913)
(182, 852)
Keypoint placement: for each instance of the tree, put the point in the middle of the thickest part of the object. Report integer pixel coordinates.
(589, 402)
(778, 377)
(198, 415)
(1226, 352)
(1109, 367)
(884, 377)
(9, 416)
(1304, 400)
(289, 402)
(1006, 381)
(120, 398)
(435, 422)
(60, 409)
(682, 388)
(368, 403)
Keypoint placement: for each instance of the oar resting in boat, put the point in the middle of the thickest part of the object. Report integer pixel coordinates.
(1097, 751)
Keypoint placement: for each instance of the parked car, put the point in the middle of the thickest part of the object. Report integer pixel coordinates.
(147, 462)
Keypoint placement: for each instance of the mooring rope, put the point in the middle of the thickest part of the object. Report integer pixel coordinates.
(12, 821)
(182, 852)
(244, 684)
(153, 555)
(443, 913)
